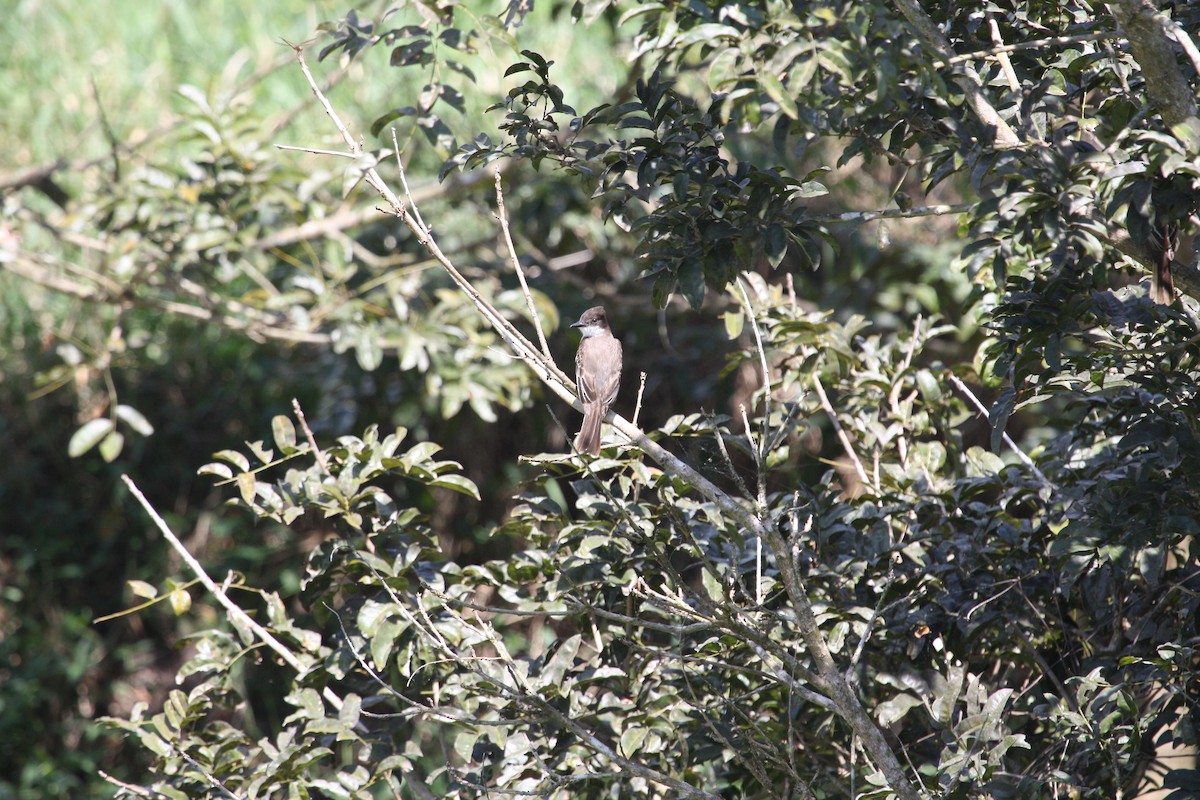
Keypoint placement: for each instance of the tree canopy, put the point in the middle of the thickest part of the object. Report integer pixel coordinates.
(903, 504)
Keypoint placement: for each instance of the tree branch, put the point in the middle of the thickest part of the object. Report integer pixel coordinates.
(1168, 90)
(933, 40)
(243, 619)
(1185, 276)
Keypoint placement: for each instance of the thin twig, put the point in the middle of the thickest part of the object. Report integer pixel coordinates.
(1185, 41)
(637, 408)
(737, 478)
(892, 213)
(502, 216)
(869, 628)
(308, 434)
(412, 203)
(841, 433)
(1025, 459)
(27, 266)
(129, 787)
(243, 619)
(355, 147)
(1035, 44)
(1002, 54)
(759, 457)
(754, 446)
(353, 216)
(315, 151)
(523, 348)
(208, 776)
(766, 375)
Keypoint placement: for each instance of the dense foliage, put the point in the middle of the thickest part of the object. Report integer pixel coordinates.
(825, 569)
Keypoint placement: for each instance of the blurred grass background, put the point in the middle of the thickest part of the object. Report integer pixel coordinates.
(62, 63)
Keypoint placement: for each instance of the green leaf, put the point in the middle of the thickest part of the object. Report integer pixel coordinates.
(999, 414)
(1188, 132)
(664, 284)
(458, 483)
(88, 436)
(371, 615)
(367, 350)
(775, 245)
(284, 433)
(712, 586)
(309, 703)
(111, 445)
(722, 68)
(691, 282)
(351, 710)
(219, 470)
(142, 589)
(246, 483)
(134, 419)
(931, 389)
(983, 463)
(631, 740)
(776, 92)
(563, 659)
(892, 711)
(420, 454)
(235, 458)
(156, 744)
(734, 322)
(383, 640)
(181, 602)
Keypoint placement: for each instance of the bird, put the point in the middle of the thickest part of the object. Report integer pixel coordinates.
(597, 375)
(1163, 241)
(1158, 208)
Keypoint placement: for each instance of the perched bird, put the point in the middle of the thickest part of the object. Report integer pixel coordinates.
(1163, 241)
(1170, 217)
(1157, 207)
(597, 375)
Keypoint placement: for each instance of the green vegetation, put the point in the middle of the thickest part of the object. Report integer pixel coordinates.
(810, 566)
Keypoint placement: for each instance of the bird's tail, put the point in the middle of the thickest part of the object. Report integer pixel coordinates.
(1164, 239)
(588, 440)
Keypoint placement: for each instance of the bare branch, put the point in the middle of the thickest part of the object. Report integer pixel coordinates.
(1025, 459)
(1002, 55)
(502, 216)
(1185, 41)
(637, 407)
(129, 787)
(841, 433)
(759, 457)
(893, 213)
(235, 612)
(312, 440)
(1033, 44)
